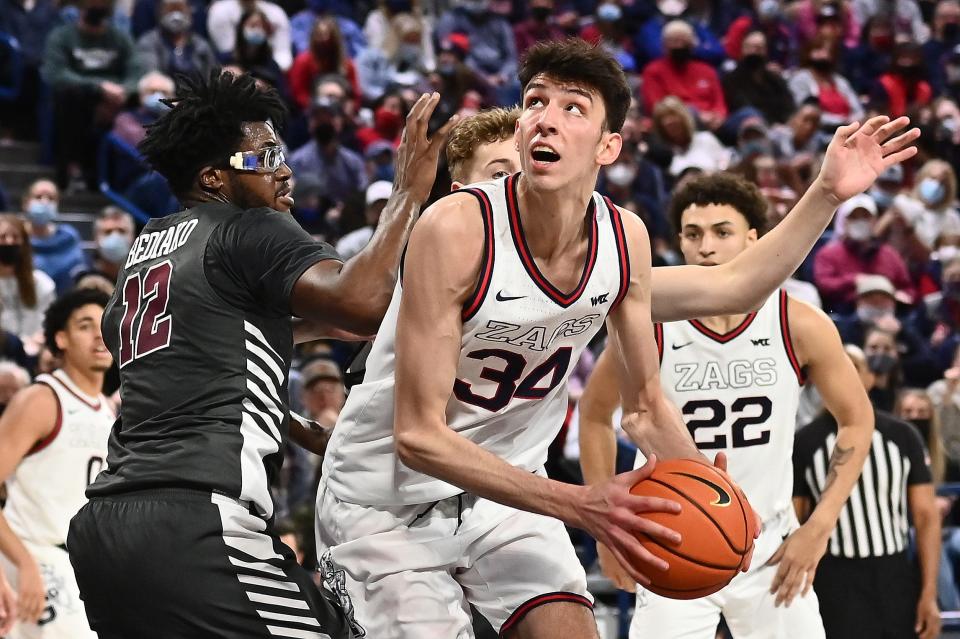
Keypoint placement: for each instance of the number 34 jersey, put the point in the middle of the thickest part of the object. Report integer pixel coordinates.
(521, 338)
(738, 393)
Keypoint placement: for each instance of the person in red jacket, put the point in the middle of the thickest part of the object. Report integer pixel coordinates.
(694, 82)
(327, 55)
(903, 87)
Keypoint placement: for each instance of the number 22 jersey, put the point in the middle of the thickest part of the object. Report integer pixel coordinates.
(521, 338)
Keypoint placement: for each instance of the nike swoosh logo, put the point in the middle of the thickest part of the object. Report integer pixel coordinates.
(723, 497)
(506, 298)
(677, 347)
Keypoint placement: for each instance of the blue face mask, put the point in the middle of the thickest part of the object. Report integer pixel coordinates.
(932, 191)
(153, 104)
(41, 212)
(114, 247)
(753, 147)
(881, 197)
(254, 37)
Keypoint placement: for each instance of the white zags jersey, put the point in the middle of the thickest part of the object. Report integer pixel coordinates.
(739, 393)
(48, 486)
(521, 338)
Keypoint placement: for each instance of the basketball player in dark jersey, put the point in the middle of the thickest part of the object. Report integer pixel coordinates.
(177, 539)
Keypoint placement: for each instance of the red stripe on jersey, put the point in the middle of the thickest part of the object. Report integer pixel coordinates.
(520, 241)
(787, 341)
(46, 441)
(623, 254)
(472, 305)
(539, 600)
(723, 338)
(658, 335)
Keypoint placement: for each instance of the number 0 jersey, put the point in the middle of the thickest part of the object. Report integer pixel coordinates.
(47, 488)
(521, 338)
(738, 393)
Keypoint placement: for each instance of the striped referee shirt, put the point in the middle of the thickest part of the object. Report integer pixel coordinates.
(874, 521)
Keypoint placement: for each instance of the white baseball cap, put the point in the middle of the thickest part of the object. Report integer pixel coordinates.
(379, 190)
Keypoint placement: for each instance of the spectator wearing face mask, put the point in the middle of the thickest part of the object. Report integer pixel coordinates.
(887, 187)
(153, 88)
(113, 232)
(855, 251)
(870, 59)
(25, 292)
(818, 77)
(937, 318)
(253, 50)
(224, 24)
(902, 89)
(56, 247)
(611, 32)
(753, 84)
(649, 42)
(380, 161)
(173, 47)
(929, 210)
(767, 18)
(906, 18)
(538, 27)
(944, 38)
(389, 114)
(326, 55)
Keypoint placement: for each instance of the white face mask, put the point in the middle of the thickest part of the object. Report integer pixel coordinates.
(621, 174)
(859, 230)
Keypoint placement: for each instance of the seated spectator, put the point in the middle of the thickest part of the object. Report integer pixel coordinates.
(678, 74)
(93, 69)
(339, 170)
(856, 251)
(173, 47)
(153, 88)
(945, 36)
(326, 55)
(753, 84)
(813, 18)
(929, 210)
(55, 247)
(25, 292)
(30, 22)
(609, 31)
(113, 233)
(888, 185)
(867, 61)
(380, 161)
(456, 82)
(538, 27)
(937, 317)
(402, 63)
(353, 242)
(883, 360)
(253, 52)
(377, 28)
(650, 45)
(301, 25)
(224, 24)
(389, 115)
(906, 19)
(767, 17)
(902, 89)
(818, 78)
(146, 14)
(674, 127)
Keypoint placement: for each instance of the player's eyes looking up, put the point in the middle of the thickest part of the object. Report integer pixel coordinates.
(500, 174)
(266, 160)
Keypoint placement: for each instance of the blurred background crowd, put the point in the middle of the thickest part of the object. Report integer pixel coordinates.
(756, 88)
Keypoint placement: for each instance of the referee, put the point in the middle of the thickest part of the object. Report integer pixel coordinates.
(867, 583)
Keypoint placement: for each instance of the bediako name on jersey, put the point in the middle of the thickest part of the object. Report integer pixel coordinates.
(160, 243)
(712, 375)
(536, 338)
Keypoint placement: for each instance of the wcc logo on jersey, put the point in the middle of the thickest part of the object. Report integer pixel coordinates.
(536, 338)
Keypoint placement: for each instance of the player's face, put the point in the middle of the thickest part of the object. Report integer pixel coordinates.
(561, 134)
(250, 189)
(714, 234)
(81, 341)
(491, 161)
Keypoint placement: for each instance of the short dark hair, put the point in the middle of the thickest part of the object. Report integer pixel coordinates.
(721, 189)
(574, 60)
(59, 312)
(204, 125)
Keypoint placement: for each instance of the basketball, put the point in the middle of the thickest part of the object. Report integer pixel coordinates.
(715, 522)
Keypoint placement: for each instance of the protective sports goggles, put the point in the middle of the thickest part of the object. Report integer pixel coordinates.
(266, 160)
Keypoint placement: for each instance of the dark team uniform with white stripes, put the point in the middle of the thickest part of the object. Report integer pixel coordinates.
(176, 540)
(867, 583)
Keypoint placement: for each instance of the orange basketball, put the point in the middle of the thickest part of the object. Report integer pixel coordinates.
(715, 523)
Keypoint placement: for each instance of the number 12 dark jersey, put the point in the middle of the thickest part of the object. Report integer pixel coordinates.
(200, 327)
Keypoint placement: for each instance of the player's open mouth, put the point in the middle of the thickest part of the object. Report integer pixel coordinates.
(283, 196)
(543, 154)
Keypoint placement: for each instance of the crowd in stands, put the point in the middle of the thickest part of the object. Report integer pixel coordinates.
(756, 88)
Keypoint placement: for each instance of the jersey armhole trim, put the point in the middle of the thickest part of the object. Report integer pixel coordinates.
(46, 441)
(473, 303)
(788, 341)
(658, 335)
(623, 255)
(540, 600)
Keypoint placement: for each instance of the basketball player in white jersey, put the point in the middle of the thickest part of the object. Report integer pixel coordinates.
(737, 380)
(53, 442)
(433, 493)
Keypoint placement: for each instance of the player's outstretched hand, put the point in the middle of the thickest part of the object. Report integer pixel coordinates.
(720, 463)
(614, 517)
(857, 155)
(417, 155)
(8, 606)
(797, 557)
(928, 618)
(32, 598)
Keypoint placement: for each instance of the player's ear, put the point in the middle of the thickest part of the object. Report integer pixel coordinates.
(211, 179)
(609, 148)
(60, 337)
(456, 186)
(751, 237)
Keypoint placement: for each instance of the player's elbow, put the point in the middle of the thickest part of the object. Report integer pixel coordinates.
(413, 448)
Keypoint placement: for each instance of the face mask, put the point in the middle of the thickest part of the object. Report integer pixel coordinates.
(324, 133)
(608, 12)
(94, 16)
(176, 22)
(447, 70)
(387, 123)
(541, 14)
(909, 71)
(114, 247)
(399, 6)
(859, 230)
(951, 31)
(753, 61)
(923, 425)
(681, 55)
(870, 314)
(9, 254)
(153, 103)
(882, 43)
(822, 65)
(621, 174)
(881, 197)
(768, 9)
(881, 363)
(41, 212)
(255, 36)
(932, 191)
(475, 7)
(753, 147)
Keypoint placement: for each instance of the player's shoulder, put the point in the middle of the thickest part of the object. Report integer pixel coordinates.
(458, 216)
(806, 320)
(35, 407)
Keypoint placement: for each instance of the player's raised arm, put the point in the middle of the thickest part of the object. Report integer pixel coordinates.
(441, 269)
(353, 296)
(856, 156)
(820, 350)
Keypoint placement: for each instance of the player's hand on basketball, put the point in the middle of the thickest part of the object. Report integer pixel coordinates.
(613, 516)
(928, 617)
(417, 155)
(8, 606)
(859, 153)
(720, 463)
(613, 571)
(32, 595)
(796, 560)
